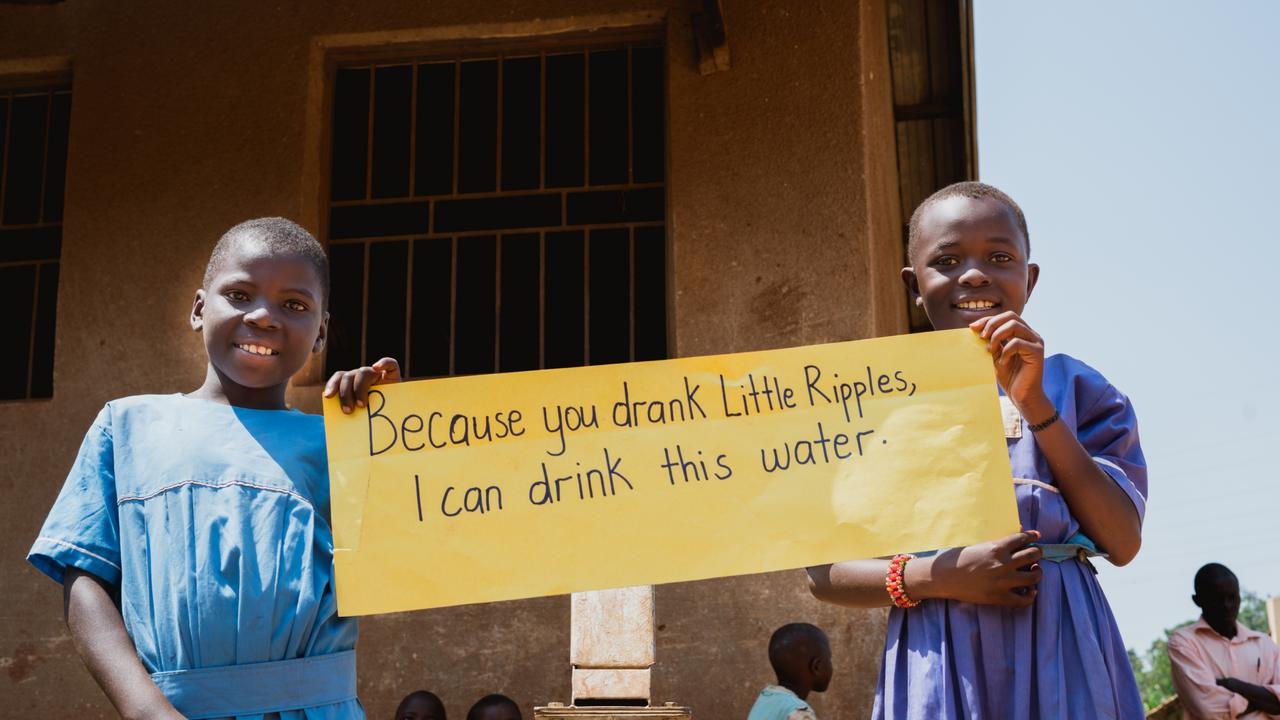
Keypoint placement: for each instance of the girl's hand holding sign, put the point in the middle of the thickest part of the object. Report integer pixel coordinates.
(352, 386)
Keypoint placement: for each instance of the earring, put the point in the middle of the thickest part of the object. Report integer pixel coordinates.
(920, 301)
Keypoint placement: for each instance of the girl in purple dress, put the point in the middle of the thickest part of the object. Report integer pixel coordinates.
(1017, 627)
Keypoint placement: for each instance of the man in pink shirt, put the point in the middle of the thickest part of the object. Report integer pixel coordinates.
(1221, 668)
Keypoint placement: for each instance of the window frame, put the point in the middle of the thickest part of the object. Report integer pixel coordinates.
(459, 51)
(12, 86)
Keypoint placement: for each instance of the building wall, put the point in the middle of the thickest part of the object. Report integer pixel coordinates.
(188, 117)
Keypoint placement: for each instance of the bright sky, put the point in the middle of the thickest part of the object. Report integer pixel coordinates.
(1142, 140)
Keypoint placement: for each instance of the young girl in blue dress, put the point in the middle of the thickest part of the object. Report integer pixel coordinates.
(1017, 627)
(192, 535)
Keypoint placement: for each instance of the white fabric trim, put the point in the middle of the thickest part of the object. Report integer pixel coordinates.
(77, 548)
(215, 486)
(1036, 483)
(1108, 463)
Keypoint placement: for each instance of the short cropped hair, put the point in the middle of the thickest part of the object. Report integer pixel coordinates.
(969, 189)
(425, 696)
(792, 645)
(488, 701)
(280, 235)
(1209, 574)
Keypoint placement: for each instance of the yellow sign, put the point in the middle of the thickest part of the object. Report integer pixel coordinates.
(495, 487)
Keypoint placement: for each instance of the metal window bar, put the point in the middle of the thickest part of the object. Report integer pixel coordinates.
(4, 167)
(487, 233)
(489, 194)
(631, 281)
(583, 208)
(44, 165)
(630, 128)
(31, 338)
(368, 154)
(497, 142)
(542, 296)
(453, 301)
(497, 280)
(364, 306)
(413, 136)
(586, 281)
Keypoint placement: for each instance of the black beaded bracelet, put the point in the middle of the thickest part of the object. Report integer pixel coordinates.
(1037, 427)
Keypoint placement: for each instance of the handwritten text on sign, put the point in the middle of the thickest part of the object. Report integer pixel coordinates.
(497, 487)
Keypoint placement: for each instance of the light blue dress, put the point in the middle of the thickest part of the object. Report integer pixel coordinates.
(213, 521)
(1062, 658)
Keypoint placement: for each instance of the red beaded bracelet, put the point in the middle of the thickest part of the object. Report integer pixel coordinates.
(893, 582)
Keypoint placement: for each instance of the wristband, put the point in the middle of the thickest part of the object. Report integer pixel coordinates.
(894, 583)
(1037, 427)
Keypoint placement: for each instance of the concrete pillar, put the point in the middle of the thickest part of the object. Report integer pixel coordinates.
(611, 650)
(611, 646)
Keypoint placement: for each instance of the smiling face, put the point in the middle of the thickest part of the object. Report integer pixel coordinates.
(261, 313)
(969, 261)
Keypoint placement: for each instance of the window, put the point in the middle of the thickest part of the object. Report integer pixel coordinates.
(499, 212)
(33, 165)
(931, 58)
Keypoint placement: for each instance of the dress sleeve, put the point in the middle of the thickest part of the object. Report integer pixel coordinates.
(1198, 689)
(82, 529)
(1108, 430)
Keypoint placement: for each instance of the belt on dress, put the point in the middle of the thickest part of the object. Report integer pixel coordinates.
(1077, 547)
(259, 688)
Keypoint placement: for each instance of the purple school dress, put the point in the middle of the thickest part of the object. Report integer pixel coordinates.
(1063, 656)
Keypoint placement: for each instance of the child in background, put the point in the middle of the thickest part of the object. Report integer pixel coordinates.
(801, 658)
(1018, 627)
(192, 535)
(494, 707)
(420, 705)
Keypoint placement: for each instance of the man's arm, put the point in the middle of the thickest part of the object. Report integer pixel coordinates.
(1259, 696)
(100, 636)
(1197, 687)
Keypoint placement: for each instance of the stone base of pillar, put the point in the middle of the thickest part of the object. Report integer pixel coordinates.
(557, 711)
(616, 684)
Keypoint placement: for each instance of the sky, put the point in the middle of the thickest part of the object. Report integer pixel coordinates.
(1142, 140)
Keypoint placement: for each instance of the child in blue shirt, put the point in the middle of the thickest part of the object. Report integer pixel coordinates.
(1017, 627)
(192, 536)
(800, 655)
